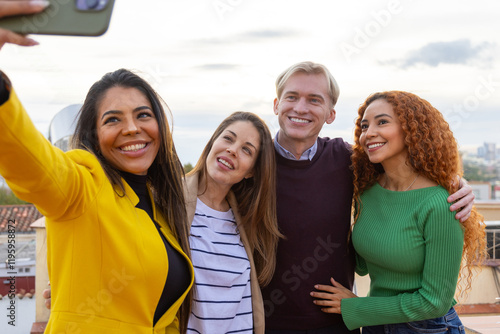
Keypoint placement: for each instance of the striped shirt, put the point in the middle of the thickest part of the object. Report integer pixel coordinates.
(222, 300)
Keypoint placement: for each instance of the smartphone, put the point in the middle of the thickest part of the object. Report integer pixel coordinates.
(64, 17)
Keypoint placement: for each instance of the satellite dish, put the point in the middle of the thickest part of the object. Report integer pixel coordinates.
(62, 126)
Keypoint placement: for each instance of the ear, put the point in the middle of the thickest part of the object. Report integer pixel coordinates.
(331, 116)
(276, 104)
(249, 175)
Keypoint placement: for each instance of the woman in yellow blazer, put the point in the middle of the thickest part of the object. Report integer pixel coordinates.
(231, 204)
(114, 209)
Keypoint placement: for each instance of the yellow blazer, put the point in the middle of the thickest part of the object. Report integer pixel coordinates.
(107, 263)
(190, 194)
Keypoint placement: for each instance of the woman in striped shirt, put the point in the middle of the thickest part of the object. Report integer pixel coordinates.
(231, 203)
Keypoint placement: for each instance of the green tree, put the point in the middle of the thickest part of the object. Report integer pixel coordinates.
(7, 197)
(475, 172)
(188, 167)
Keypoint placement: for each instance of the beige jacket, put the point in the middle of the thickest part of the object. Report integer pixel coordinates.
(190, 193)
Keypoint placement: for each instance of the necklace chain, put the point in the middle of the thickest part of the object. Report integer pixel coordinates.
(415, 179)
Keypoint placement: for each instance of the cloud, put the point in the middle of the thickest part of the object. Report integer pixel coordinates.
(266, 34)
(455, 52)
(246, 37)
(217, 67)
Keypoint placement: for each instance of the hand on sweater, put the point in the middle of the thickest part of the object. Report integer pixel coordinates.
(464, 200)
(17, 7)
(330, 297)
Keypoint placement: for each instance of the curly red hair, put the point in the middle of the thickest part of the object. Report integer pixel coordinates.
(432, 152)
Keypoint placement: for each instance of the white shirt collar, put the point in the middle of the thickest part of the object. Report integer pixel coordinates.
(307, 155)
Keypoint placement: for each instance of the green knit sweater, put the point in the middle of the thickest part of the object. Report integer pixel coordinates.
(411, 245)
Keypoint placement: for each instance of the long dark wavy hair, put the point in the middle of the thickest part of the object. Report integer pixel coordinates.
(256, 196)
(164, 175)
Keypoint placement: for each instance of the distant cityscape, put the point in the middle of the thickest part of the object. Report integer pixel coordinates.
(489, 152)
(482, 170)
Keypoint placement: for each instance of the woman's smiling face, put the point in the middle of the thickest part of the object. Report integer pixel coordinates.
(233, 154)
(382, 136)
(127, 130)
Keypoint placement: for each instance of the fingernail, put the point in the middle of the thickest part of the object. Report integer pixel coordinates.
(32, 42)
(40, 3)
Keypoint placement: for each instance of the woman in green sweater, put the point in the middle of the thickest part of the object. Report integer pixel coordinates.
(405, 164)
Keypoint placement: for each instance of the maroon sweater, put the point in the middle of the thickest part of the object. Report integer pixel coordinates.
(314, 212)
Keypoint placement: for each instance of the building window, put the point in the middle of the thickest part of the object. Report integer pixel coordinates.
(493, 242)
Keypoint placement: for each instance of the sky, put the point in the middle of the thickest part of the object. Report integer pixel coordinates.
(208, 58)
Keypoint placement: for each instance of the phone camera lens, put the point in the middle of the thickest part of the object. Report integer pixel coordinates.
(91, 4)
